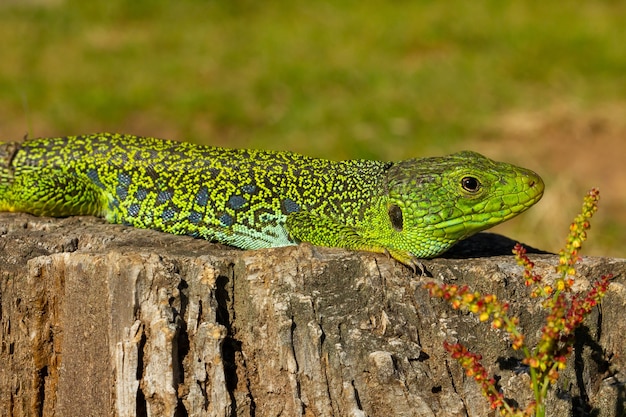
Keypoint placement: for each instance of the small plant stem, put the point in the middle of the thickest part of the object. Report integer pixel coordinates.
(536, 391)
(540, 411)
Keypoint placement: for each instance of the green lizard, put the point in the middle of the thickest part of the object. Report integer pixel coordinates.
(417, 208)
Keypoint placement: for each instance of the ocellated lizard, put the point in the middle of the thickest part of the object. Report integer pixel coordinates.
(416, 208)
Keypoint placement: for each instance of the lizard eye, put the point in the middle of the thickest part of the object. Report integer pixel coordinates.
(470, 184)
(395, 215)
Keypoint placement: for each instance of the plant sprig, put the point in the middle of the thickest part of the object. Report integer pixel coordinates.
(565, 312)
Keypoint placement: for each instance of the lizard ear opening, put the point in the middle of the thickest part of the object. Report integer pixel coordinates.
(395, 215)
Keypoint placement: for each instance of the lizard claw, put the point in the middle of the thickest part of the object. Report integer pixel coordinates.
(415, 264)
(408, 259)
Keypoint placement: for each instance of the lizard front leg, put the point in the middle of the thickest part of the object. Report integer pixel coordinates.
(322, 230)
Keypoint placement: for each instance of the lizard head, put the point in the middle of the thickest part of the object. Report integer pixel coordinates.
(432, 203)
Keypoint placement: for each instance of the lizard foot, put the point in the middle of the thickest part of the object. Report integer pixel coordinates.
(408, 259)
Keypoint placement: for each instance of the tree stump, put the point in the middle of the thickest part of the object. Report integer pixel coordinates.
(106, 320)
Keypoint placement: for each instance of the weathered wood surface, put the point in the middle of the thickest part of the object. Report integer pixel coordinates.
(103, 320)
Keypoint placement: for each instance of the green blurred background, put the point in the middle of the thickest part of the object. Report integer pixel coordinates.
(541, 84)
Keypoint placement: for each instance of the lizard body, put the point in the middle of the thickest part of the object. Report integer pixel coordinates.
(253, 199)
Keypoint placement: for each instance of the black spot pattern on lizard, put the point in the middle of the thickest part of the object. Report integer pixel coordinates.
(226, 220)
(141, 194)
(290, 206)
(169, 213)
(134, 209)
(202, 196)
(236, 202)
(164, 196)
(195, 217)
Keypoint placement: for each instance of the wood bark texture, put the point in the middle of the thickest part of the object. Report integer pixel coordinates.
(106, 320)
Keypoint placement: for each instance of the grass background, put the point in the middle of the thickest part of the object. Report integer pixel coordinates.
(537, 83)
